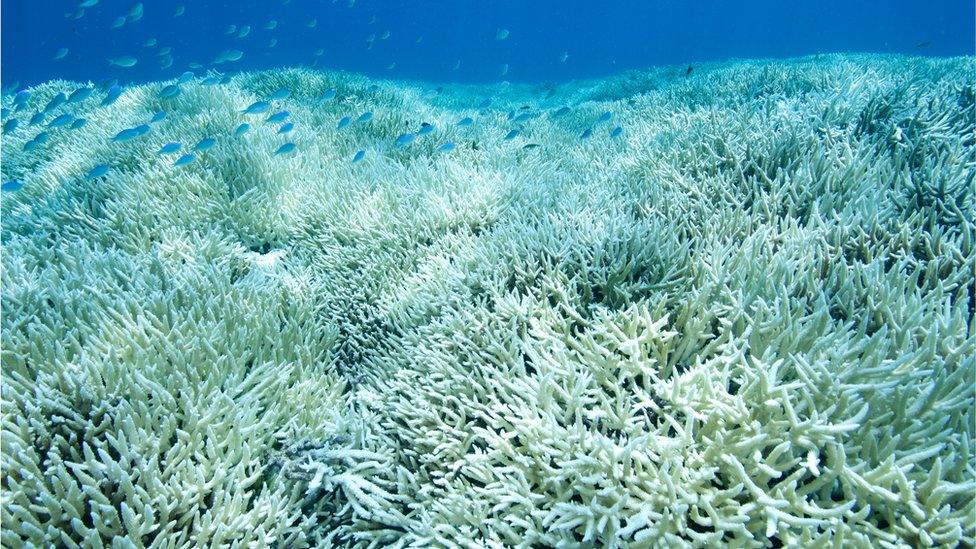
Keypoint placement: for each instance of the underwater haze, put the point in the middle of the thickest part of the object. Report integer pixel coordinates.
(455, 40)
(487, 274)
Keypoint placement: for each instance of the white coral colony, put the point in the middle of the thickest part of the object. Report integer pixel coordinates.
(740, 317)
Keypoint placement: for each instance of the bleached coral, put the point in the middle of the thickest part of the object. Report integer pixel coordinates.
(748, 320)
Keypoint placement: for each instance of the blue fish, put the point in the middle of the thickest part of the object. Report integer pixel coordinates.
(97, 172)
(405, 139)
(80, 95)
(616, 132)
(37, 118)
(170, 91)
(604, 117)
(131, 133)
(280, 93)
(524, 116)
(22, 97)
(425, 128)
(561, 111)
(359, 156)
(184, 160)
(31, 145)
(78, 123)
(365, 117)
(204, 144)
(586, 133)
(466, 121)
(484, 104)
(41, 138)
(285, 149)
(285, 128)
(10, 125)
(446, 147)
(159, 115)
(55, 102)
(511, 135)
(5, 112)
(343, 122)
(169, 148)
(186, 77)
(11, 186)
(328, 94)
(113, 94)
(257, 107)
(242, 129)
(279, 116)
(210, 81)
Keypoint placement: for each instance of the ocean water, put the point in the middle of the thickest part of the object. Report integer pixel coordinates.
(598, 38)
(548, 274)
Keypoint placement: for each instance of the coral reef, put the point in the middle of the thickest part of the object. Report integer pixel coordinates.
(746, 320)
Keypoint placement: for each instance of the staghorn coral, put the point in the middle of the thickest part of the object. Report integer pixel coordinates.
(746, 321)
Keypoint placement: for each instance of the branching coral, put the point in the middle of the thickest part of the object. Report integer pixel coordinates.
(747, 320)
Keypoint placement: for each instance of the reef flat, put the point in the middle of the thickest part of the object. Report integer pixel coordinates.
(727, 307)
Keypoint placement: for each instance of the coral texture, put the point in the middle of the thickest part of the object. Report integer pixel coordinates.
(745, 320)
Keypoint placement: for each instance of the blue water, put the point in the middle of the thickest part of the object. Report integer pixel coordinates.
(549, 40)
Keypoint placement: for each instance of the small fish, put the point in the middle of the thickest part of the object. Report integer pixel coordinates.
(405, 139)
(616, 132)
(62, 120)
(485, 103)
(605, 117)
(195, 66)
(365, 117)
(119, 22)
(273, 42)
(210, 81)
(688, 70)
(242, 129)
(446, 147)
(170, 148)
(285, 128)
(124, 61)
(279, 116)
(466, 121)
(327, 94)
(113, 94)
(524, 117)
(271, 25)
(312, 23)
(78, 123)
(501, 34)
(31, 145)
(504, 70)
(10, 125)
(425, 129)
(564, 57)
(135, 13)
(285, 149)
(150, 43)
(170, 91)
(511, 135)
(184, 160)
(157, 117)
(164, 51)
(204, 144)
(186, 77)
(96, 172)
(343, 122)
(257, 107)
(22, 97)
(129, 134)
(280, 93)
(358, 156)
(231, 29)
(228, 56)
(41, 138)
(87, 3)
(243, 31)
(586, 133)
(37, 118)
(166, 62)
(385, 35)
(924, 44)
(55, 102)
(530, 146)
(11, 186)
(80, 95)
(561, 111)
(180, 10)
(61, 53)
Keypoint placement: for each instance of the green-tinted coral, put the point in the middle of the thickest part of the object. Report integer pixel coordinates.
(748, 320)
